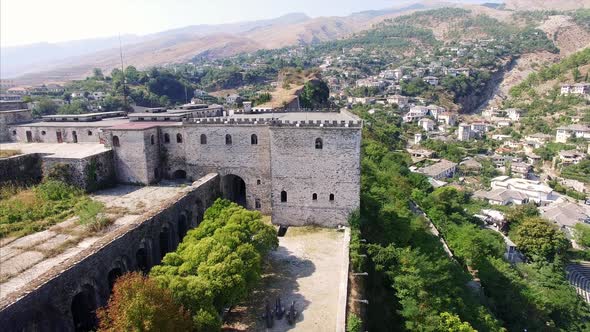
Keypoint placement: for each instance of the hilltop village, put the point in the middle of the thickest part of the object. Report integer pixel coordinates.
(429, 173)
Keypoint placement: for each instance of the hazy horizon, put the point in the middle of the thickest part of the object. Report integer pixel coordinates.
(69, 20)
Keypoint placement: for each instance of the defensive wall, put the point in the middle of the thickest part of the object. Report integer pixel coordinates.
(65, 297)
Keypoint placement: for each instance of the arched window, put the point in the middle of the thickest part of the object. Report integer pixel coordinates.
(152, 140)
(228, 139)
(331, 197)
(254, 139)
(314, 196)
(283, 196)
(319, 144)
(257, 204)
(203, 139)
(166, 138)
(116, 141)
(179, 138)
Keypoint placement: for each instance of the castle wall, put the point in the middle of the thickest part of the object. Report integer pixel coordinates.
(90, 173)
(301, 170)
(251, 162)
(11, 117)
(48, 304)
(137, 160)
(21, 170)
(49, 134)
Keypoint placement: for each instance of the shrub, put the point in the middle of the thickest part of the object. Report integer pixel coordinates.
(354, 324)
(91, 214)
(138, 304)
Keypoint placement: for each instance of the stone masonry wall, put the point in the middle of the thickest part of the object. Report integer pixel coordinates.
(22, 169)
(136, 158)
(47, 306)
(10, 117)
(301, 170)
(90, 173)
(251, 162)
(49, 134)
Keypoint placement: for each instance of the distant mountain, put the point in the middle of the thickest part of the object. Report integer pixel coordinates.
(66, 61)
(74, 60)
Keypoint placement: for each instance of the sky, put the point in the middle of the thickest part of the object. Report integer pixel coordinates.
(32, 21)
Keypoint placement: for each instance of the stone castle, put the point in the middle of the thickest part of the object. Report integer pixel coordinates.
(301, 167)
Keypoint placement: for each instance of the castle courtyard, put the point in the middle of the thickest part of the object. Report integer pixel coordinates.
(309, 267)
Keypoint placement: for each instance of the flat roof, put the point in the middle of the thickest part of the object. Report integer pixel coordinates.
(140, 125)
(83, 115)
(297, 116)
(108, 122)
(57, 150)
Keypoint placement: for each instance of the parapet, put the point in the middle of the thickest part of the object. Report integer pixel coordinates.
(275, 122)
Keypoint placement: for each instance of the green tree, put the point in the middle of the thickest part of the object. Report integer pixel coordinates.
(452, 323)
(97, 74)
(540, 240)
(315, 94)
(217, 263)
(582, 234)
(138, 304)
(45, 106)
(577, 76)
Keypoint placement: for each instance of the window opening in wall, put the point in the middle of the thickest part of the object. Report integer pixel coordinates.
(43, 132)
(166, 138)
(75, 136)
(283, 196)
(115, 140)
(258, 181)
(152, 140)
(257, 203)
(228, 139)
(319, 144)
(179, 138)
(203, 139)
(331, 197)
(314, 196)
(254, 139)
(89, 133)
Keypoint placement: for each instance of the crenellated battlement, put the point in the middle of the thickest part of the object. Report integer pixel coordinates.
(272, 121)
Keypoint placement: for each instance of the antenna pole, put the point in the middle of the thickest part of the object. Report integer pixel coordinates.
(123, 72)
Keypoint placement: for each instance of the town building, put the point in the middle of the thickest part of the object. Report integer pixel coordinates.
(574, 131)
(440, 170)
(535, 191)
(426, 124)
(571, 157)
(464, 132)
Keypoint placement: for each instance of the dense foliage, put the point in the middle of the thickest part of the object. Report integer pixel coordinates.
(138, 304)
(425, 288)
(217, 263)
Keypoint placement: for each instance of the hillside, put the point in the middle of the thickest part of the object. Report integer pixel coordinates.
(546, 4)
(181, 45)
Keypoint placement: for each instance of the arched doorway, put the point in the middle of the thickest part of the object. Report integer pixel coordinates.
(113, 275)
(83, 309)
(179, 174)
(164, 242)
(233, 188)
(142, 260)
(182, 227)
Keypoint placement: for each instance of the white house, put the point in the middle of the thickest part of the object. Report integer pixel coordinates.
(401, 101)
(513, 114)
(535, 191)
(575, 130)
(432, 80)
(569, 157)
(464, 132)
(426, 124)
(442, 169)
(415, 113)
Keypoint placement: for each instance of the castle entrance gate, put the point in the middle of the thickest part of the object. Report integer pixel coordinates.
(233, 188)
